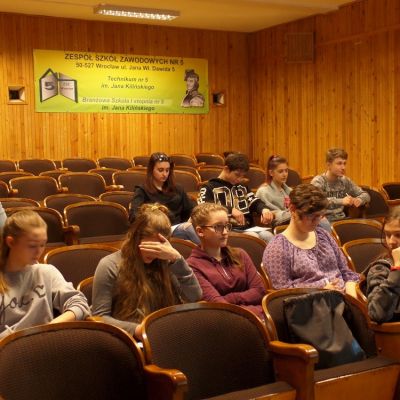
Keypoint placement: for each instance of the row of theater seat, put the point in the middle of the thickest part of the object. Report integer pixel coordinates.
(81, 164)
(194, 351)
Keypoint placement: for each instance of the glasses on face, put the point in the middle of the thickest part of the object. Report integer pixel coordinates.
(219, 228)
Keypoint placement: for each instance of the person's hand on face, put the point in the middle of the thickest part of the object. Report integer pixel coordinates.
(162, 250)
(238, 216)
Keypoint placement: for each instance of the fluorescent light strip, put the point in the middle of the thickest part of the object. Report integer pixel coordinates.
(141, 13)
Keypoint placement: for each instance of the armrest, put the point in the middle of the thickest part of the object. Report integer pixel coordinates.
(95, 319)
(13, 193)
(387, 338)
(112, 188)
(387, 327)
(168, 384)
(63, 189)
(71, 234)
(294, 363)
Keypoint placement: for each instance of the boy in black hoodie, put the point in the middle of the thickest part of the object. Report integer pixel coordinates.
(229, 191)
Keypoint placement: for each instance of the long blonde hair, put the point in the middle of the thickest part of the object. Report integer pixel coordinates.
(201, 216)
(142, 289)
(17, 225)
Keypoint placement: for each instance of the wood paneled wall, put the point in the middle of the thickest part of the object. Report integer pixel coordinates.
(24, 133)
(349, 97)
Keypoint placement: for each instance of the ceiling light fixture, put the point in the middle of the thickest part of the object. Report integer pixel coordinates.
(130, 12)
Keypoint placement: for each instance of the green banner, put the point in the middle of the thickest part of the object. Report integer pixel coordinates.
(67, 81)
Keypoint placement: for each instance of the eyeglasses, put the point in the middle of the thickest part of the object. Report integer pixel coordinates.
(219, 228)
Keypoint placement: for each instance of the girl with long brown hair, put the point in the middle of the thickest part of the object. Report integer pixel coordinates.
(160, 187)
(145, 275)
(225, 274)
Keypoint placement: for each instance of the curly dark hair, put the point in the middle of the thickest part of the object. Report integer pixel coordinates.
(307, 199)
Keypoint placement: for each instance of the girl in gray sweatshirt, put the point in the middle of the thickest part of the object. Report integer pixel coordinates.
(31, 292)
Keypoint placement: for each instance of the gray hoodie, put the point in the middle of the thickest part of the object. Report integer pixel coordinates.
(33, 294)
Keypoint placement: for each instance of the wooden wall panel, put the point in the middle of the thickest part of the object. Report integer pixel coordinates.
(25, 133)
(349, 97)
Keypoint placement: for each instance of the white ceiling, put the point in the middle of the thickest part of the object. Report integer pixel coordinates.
(226, 15)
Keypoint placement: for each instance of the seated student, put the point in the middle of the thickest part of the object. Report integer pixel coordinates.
(339, 189)
(145, 275)
(229, 191)
(160, 187)
(305, 255)
(383, 275)
(31, 291)
(275, 192)
(225, 274)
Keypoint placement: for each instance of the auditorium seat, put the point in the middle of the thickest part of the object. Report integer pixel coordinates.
(119, 163)
(210, 159)
(60, 201)
(208, 172)
(15, 202)
(184, 247)
(187, 180)
(361, 252)
(81, 360)
(84, 183)
(36, 165)
(78, 262)
(35, 187)
(141, 160)
(375, 377)
(352, 229)
(99, 222)
(377, 208)
(122, 197)
(7, 176)
(185, 159)
(7, 166)
(106, 173)
(129, 179)
(78, 164)
(222, 349)
(256, 177)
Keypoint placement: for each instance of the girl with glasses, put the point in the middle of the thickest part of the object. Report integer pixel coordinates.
(145, 275)
(160, 187)
(304, 254)
(383, 275)
(225, 274)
